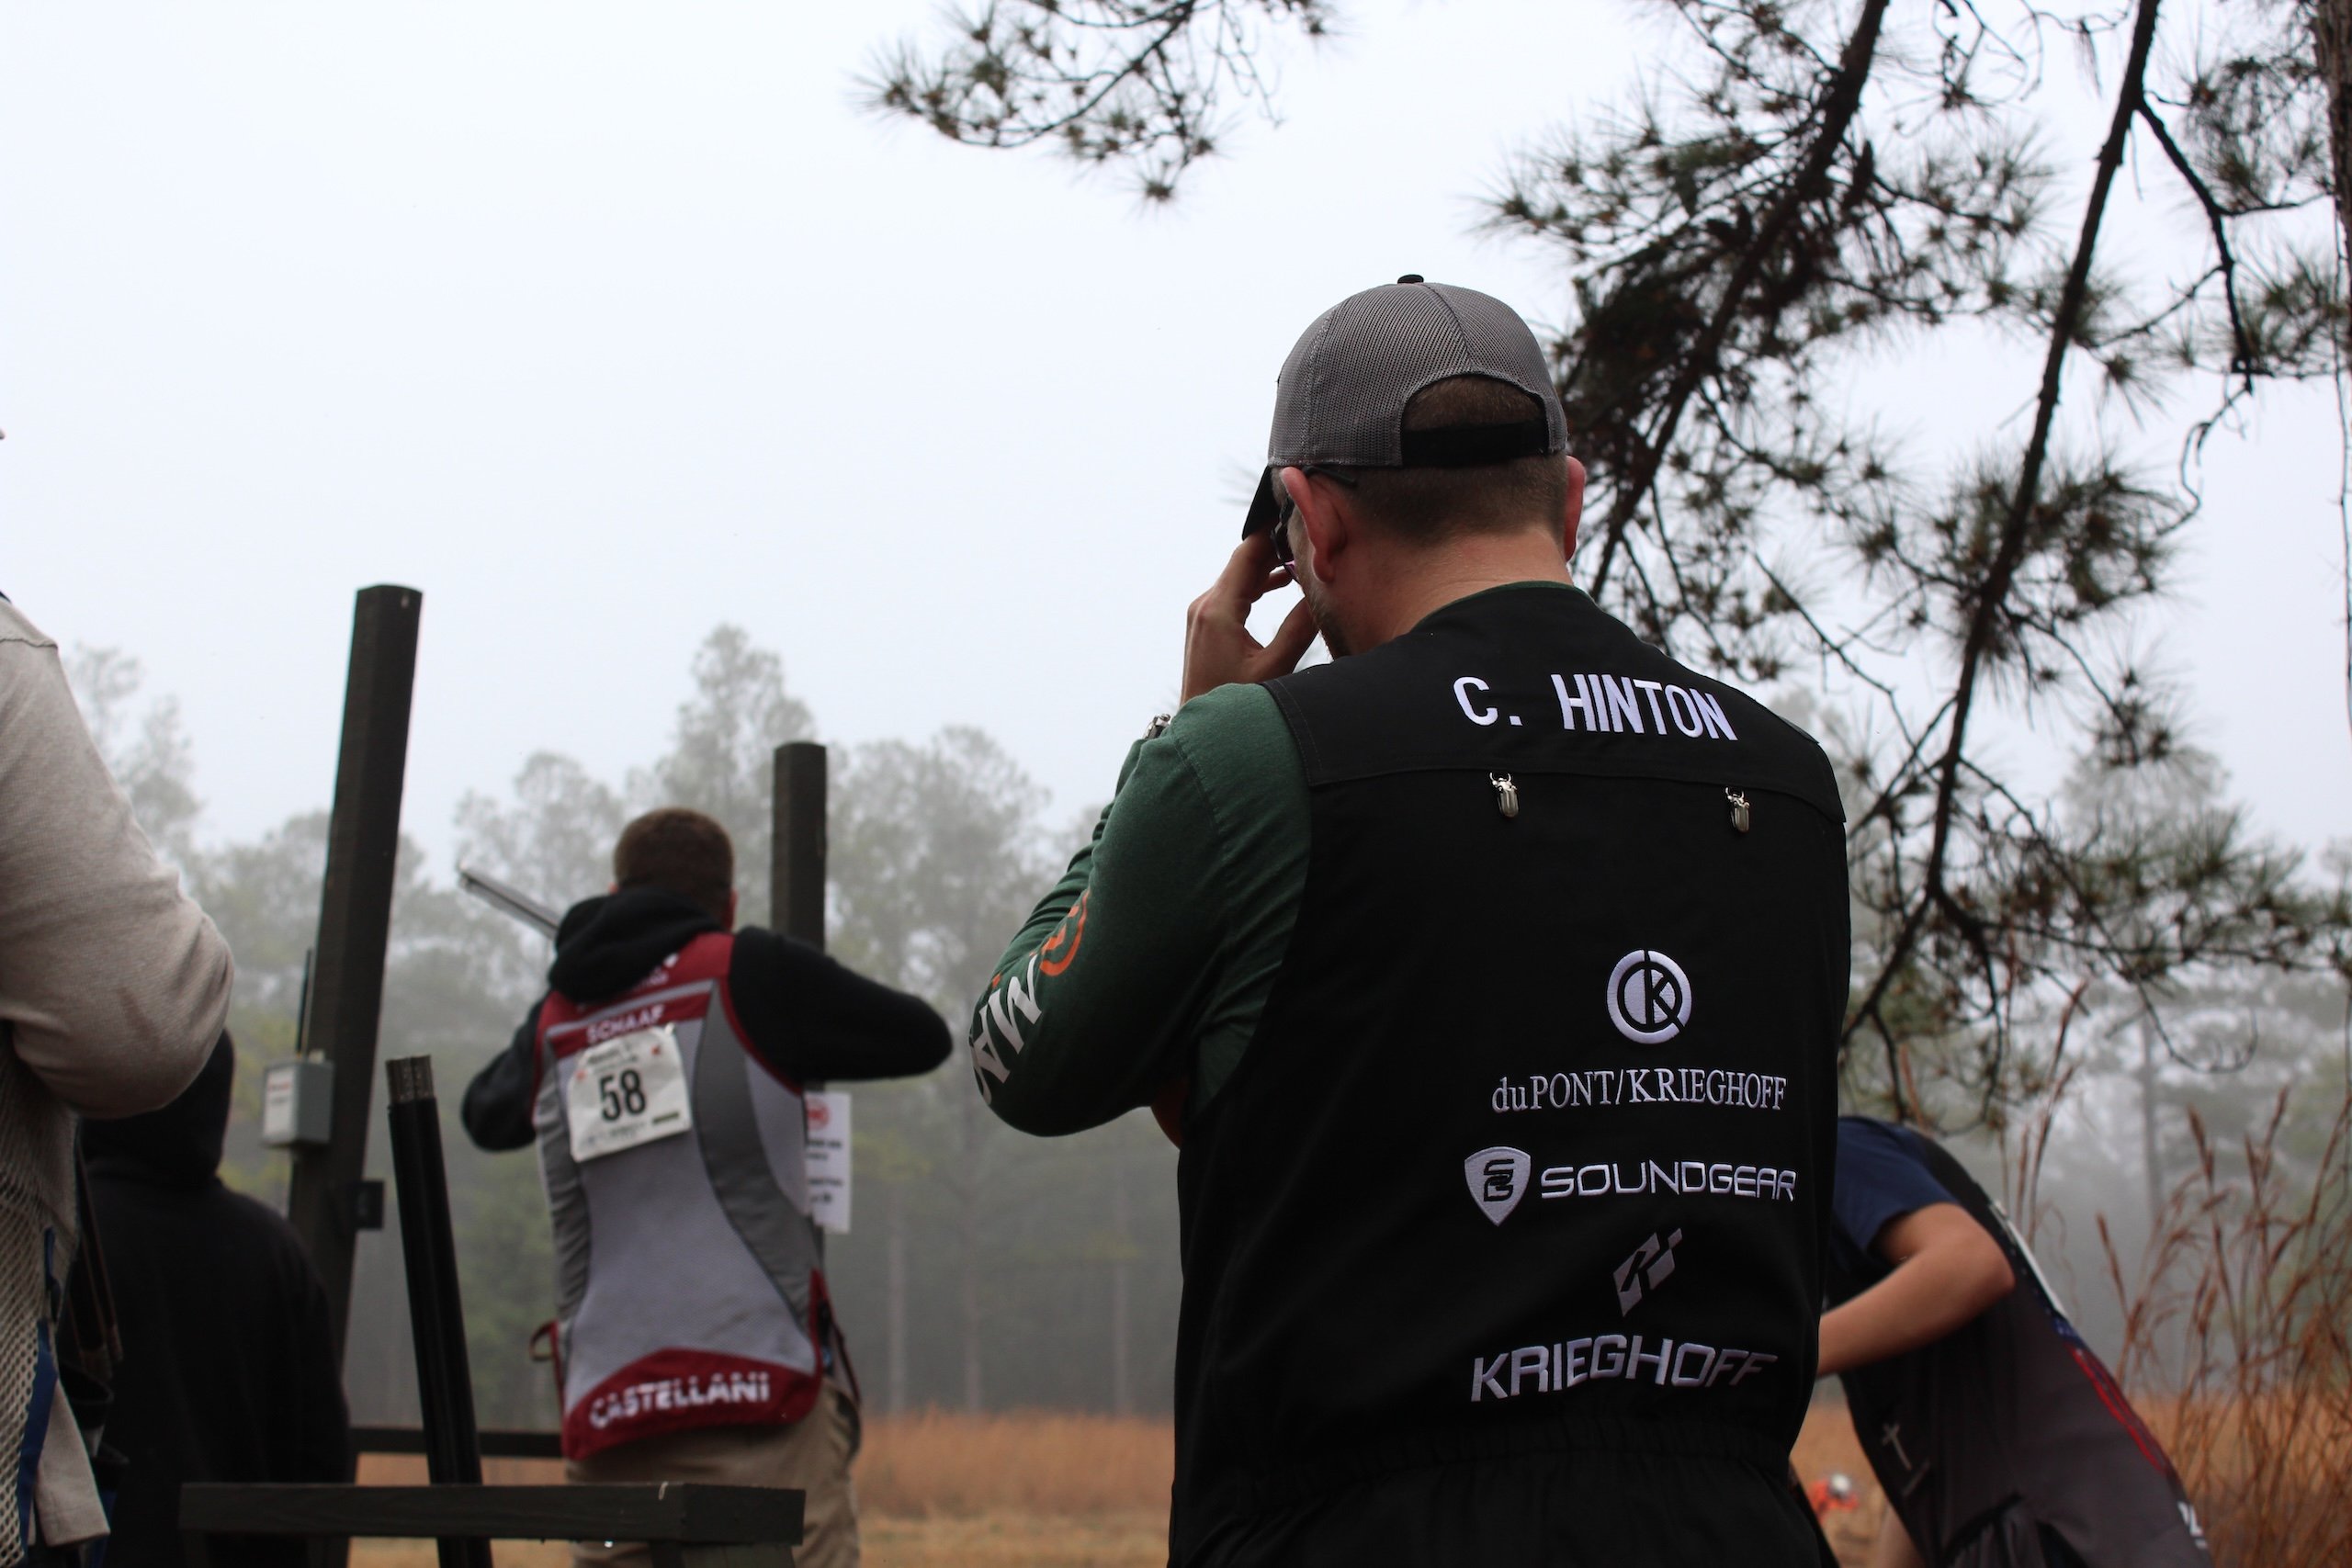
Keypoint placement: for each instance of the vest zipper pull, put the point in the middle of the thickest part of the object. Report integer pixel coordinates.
(1739, 812)
(1506, 792)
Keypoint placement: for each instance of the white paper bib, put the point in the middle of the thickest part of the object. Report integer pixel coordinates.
(630, 1090)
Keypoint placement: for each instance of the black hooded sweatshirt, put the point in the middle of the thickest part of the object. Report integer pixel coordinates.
(805, 1015)
(229, 1371)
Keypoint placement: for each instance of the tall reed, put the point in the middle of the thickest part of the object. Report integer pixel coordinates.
(2242, 1314)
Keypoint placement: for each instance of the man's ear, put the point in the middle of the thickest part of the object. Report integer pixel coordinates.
(1324, 517)
(1575, 510)
(730, 909)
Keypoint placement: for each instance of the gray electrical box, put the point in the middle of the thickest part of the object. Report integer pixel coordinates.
(298, 1104)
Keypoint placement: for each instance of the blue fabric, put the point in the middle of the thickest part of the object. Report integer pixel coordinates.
(36, 1432)
(1880, 1177)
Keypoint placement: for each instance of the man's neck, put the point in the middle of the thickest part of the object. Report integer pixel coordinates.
(1425, 582)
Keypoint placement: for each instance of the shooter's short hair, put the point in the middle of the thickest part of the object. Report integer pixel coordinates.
(1427, 505)
(680, 852)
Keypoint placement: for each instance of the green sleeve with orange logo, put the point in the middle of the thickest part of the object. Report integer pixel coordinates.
(1151, 959)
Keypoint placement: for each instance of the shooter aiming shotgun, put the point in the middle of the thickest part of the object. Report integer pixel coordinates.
(664, 1079)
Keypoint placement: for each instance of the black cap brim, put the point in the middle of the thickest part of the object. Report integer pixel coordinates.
(1263, 506)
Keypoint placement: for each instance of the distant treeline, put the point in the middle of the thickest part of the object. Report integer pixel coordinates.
(988, 1270)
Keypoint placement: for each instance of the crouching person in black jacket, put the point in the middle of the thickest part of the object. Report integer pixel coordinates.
(662, 1077)
(228, 1368)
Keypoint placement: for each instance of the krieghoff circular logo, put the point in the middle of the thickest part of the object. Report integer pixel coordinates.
(1649, 997)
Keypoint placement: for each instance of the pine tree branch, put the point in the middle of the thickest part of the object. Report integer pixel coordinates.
(1993, 598)
(2241, 342)
(1839, 105)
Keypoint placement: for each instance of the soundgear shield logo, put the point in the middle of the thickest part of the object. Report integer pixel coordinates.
(1497, 1179)
(1649, 997)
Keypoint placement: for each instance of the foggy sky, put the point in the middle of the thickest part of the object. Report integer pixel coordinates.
(601, 325)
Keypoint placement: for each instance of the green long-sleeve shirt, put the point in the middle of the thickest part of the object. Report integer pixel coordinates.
(1152, 957)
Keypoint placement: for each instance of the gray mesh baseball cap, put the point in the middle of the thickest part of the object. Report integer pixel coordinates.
(1341, 395)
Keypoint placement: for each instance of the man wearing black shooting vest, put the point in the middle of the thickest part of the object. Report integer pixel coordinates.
(2000, 1439)
(1490, 977)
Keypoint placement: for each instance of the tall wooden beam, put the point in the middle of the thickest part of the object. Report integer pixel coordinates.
(354, 922)
(796, 846)
(435, 1309)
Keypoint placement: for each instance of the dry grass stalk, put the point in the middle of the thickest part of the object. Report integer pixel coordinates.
(2244, 1313)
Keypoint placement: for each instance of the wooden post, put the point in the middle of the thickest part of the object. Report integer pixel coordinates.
(797, 856)
(355, 921)
(688, 1523)
(797, 845)
(436, 1312)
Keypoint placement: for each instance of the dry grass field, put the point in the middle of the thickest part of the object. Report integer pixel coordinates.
(1037, 1490)
(2246, 1299)
(2245, 1309)
(1044, 1490)
(2271, 1472)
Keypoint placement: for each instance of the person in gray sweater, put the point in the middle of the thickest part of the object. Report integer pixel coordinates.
(113, 987)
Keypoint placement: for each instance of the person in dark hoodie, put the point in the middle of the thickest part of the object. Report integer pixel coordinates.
(229, 1371)
(662, 1077)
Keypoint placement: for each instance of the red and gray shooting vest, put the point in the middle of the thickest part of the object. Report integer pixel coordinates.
(688, 1292)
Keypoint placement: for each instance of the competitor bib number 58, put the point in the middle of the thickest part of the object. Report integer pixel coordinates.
(630, 1090)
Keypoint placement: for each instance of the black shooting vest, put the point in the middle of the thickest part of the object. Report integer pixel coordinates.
(2010, 1429)
(1530, 1156)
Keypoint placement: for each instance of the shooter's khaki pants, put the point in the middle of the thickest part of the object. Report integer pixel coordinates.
(812, 1454)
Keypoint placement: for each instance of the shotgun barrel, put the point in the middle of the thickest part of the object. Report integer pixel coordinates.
(510, 901)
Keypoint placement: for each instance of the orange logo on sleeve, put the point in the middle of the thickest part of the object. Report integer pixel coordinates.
(1050, 958)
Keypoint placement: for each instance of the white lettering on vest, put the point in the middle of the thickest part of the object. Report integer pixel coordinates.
(687, 1393)
(1462, 695)
(1678, 702)
(1612, 704)
(1622, 709)
(1689, 1178)
(1570, 1363)
(627, 1022)
(1649, 690)
(1712, 711)
(1569, 705)
(1641, 1086)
